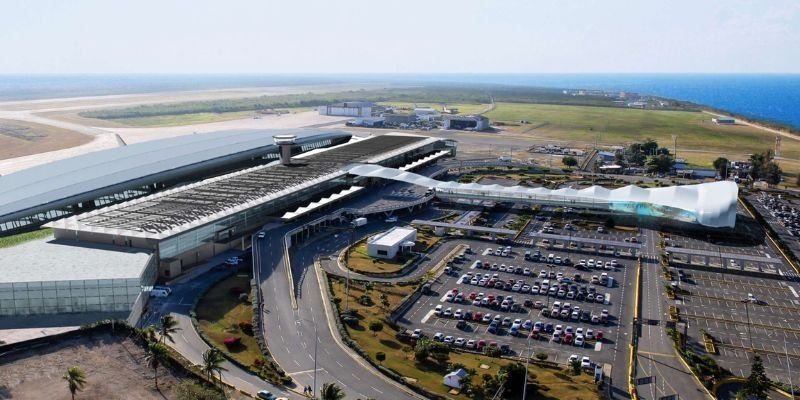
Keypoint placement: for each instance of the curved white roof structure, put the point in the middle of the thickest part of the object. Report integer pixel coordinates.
(709, 204)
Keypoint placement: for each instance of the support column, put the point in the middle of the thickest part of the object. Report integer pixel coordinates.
(705, 260)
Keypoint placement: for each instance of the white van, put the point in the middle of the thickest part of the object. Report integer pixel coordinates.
(159, 292)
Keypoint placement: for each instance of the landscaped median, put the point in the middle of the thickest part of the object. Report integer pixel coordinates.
(366, 328)
(360, 262)
(224, 319)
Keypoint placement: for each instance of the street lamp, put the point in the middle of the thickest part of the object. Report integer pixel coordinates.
(527, 359)
(747, 313)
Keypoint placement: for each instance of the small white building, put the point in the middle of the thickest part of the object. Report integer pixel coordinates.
(456, 378)
(397, 240)
(724, 121)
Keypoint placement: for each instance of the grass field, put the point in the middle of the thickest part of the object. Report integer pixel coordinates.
(400, 358)
(219, 311)
(13, 240)
(193, 119)
(700, 141)
(360, 261)
(462, 108)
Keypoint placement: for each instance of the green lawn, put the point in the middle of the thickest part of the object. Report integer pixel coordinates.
(400, 357)
(219, 312)
(13, 240)
(700, 141)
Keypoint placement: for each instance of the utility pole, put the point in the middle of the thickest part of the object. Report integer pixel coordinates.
(674, 146)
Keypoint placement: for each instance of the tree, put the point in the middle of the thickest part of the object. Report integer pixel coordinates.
(569, 161)
(385, 301)
(76, 379)
(439, 351)
(757, 384)
(758, 163)
(169, 325)
(380, 356)
(149, 334)
(772, 173)
(662, 150)
(375, 326)
(721, 165)
(576, 366)
(156, 356)
(331, 391)
(609, 223)
(422, 349)
(513, 375)
(649, 147)
(212, 363)
(661, 164)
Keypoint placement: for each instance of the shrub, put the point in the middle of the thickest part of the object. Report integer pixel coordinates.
(541, 356)
(259, 362)
(232, 341)
(246, 327)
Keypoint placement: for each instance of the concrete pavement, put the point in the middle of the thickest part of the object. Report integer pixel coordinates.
(656, 356)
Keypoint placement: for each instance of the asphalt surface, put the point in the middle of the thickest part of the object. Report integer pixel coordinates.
(301, 340)
(656, 356)
(189, 344)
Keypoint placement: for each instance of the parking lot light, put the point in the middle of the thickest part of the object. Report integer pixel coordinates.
(747, 314)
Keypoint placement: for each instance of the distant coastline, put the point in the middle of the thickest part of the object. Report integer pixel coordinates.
(769, 100)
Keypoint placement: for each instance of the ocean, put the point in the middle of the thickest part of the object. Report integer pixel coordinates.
(773, 97)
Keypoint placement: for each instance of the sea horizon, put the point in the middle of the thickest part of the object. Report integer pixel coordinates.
(772, 97)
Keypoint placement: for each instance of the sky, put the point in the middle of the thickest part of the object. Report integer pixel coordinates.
(408, 36)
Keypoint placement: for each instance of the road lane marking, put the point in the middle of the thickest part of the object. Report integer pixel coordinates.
(794, 292)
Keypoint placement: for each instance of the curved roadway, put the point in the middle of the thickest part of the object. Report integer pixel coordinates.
(291, 333)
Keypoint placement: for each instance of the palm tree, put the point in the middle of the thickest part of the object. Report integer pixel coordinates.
(156, 355)
(169, 325)
(75, 378)
(331, 391)
(212, 362)
(149, 334)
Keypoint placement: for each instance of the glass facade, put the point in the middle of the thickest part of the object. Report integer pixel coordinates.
(26, 298)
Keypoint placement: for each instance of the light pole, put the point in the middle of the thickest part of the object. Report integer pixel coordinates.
(527, 359)
(788, 365)
(747, 313)
(316, 340)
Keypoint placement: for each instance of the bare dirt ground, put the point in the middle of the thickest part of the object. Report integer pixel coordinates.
(115, 368)
(20, 138)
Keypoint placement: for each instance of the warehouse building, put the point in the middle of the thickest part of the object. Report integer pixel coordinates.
(389, 244)
(348, 109)
(471, 122)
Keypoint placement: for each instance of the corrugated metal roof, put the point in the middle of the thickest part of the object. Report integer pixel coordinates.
(72, 177)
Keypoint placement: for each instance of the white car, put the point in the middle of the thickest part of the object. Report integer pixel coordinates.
(417, 334)
(586, 362)
(459, 342)
(449, 339)
(438, 310)
(579, 341)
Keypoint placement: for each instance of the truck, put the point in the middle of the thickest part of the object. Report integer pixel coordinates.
(504, 158)
(359, 222)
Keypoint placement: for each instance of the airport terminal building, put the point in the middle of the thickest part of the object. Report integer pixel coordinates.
(154, 208)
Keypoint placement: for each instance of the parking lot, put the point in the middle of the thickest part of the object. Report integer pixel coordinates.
(740, 312)
(527, 305)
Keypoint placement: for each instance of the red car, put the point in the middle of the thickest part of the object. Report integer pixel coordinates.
(599, 336)
(481, 344)
(534, 334)
(568, 338)
(454, 291)
(473, 295)
(477, 316)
